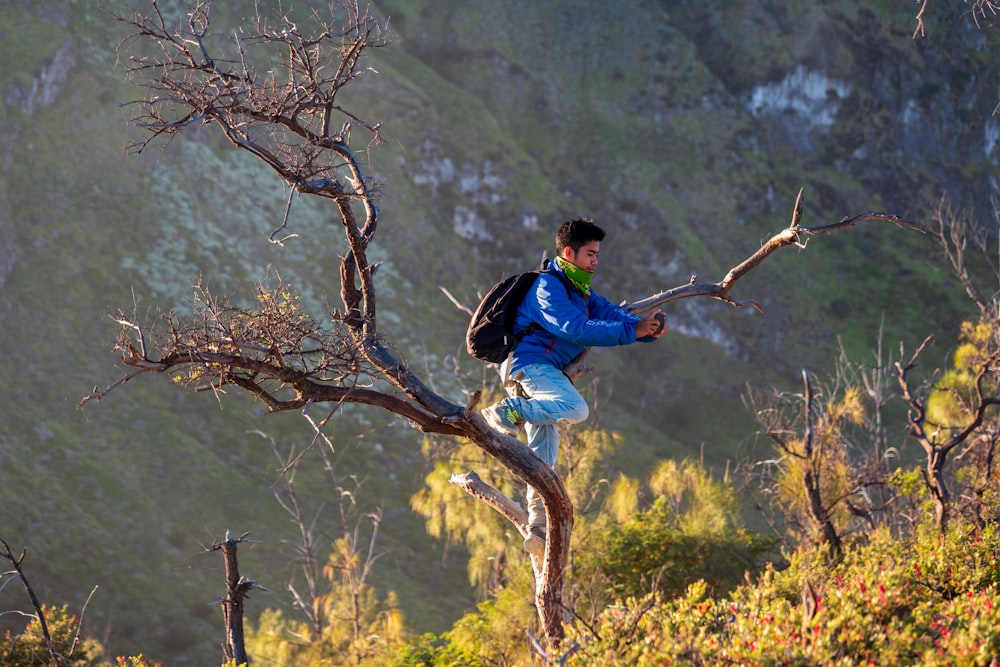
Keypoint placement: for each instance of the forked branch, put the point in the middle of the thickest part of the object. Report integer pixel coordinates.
(794, 234)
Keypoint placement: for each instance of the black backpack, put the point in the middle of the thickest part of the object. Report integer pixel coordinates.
(491, 334)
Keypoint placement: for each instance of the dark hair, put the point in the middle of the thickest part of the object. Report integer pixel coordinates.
(577, 233)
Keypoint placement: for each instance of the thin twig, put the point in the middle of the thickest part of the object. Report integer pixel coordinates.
(16, 562)
(284, 222)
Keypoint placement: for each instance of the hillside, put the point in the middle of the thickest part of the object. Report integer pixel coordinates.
(684, 128)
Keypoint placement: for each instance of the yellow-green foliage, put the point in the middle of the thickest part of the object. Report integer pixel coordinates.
(353, 626)
(275, 639)
(623, 501)
(928, 600)
(681, 525)
(691, 530)
(29, 647)
(953, 401)
(835, 482)
(496, 633)
(826, 461)
(583, 455)
(453, 516)
(699, 503)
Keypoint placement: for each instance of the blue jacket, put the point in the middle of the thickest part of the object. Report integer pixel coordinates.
(568, 322)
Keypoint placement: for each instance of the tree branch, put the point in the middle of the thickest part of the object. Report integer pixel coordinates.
(791, 235)
(472, 484)
(39, 612)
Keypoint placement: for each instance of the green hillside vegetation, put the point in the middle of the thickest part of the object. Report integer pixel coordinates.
(500, 123)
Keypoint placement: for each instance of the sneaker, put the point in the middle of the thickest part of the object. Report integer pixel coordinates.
(502, 418)
(534, 543)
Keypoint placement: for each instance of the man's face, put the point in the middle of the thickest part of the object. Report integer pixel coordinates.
(584, 258)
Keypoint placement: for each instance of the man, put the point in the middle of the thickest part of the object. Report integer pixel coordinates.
(569, 317)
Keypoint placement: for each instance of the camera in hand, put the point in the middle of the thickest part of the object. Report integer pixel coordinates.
(661, 320)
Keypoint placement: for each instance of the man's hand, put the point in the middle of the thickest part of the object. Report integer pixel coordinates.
(654, 325)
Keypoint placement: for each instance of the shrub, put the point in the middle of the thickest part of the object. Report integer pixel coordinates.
(29, 647)
(928, 600)
(691, 532)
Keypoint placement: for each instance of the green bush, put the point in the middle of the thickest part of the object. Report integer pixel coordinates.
(72, 650)
(926, 599)
(29, 647)
(648, 552)
(692, 531)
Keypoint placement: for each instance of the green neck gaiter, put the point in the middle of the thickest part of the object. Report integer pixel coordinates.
(577, 276)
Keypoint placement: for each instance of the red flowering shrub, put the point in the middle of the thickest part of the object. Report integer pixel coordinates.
(928, 600)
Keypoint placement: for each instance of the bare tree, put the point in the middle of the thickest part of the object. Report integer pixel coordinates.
(343, 616)
(287, 113)
(965, 248)
(805, 441)
(872, 474)
(944, 417)
(981, 10)
(833, 450)
(939, 440)
(237, 588)
(306, 547)
(971, 429)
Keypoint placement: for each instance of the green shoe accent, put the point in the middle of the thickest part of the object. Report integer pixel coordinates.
(503, 418)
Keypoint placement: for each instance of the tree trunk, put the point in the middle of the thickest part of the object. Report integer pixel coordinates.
(550, 575)
(939, 490)
(820, 515)
(817, 510)
(549, 571)
(232, 607)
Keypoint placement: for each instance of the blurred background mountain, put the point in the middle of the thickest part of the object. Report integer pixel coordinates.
(684, 128)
